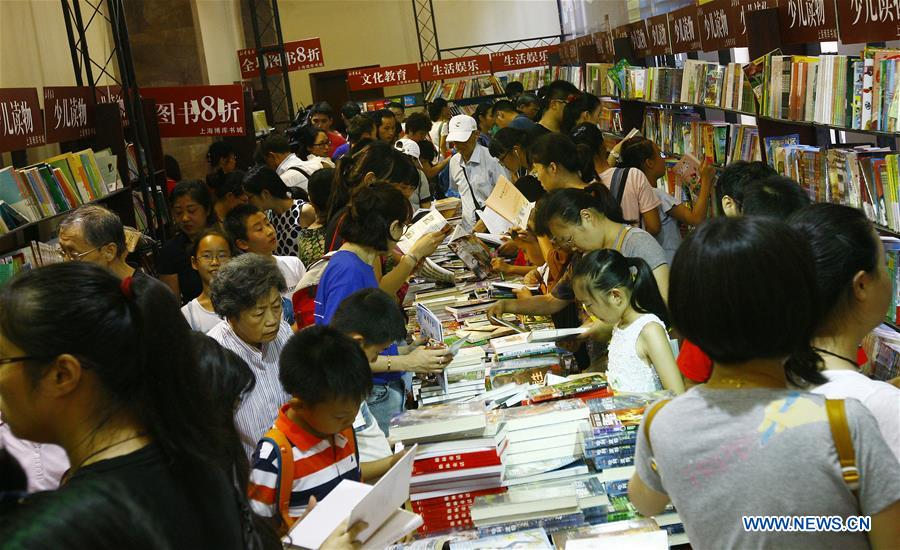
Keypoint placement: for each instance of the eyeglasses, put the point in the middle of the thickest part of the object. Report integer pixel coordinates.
(75, 256)
(208, 258)
(322, 144)
(562, 243)
(8, 360)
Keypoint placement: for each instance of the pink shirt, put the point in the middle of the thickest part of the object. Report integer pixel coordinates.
(43, 464)
(638, 196)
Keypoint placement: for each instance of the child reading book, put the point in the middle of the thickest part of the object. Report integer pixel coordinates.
(212, 250)
(311, 448)
(622, 292)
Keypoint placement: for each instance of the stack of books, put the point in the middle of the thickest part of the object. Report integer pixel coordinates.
(883, 348)
(439, 423)
(462, 380)
(551, 507)
(516, 360)
(598, 81)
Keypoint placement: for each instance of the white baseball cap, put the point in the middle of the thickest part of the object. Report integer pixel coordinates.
(409, 147)
(461, 128)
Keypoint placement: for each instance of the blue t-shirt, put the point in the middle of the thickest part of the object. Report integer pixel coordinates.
(345, 274)
(522, 122)
(340, 151)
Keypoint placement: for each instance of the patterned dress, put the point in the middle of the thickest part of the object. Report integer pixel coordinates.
(287, 229)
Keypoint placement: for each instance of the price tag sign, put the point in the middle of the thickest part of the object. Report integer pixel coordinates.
(474, 65)
(21, 124)
(379, 77)
(68, 113)
(300, 55)
(192, 111)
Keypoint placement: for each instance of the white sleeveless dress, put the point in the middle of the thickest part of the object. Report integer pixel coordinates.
(626, 371)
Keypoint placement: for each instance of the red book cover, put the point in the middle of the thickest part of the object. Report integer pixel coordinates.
(458, 461)
(466, 496)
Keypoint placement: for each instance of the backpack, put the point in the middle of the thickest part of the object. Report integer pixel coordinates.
(304, 298)
(840, 433)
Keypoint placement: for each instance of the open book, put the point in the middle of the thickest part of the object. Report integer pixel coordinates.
(379, 506)
(505, 208)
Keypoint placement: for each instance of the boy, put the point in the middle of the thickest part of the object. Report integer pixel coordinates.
(734, 179)
(373, 319)
(328, 377)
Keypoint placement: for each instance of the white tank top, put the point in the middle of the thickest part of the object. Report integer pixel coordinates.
(626, 371)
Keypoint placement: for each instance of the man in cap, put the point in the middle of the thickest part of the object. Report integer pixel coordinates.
(473, 171)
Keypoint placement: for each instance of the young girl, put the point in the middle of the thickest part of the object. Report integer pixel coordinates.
(622, 292)
(211, 251)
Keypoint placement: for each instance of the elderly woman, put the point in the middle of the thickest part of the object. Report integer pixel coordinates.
(246, 293)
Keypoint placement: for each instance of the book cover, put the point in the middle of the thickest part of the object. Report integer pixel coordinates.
(15, 195)
(773, 143)
(754, 72)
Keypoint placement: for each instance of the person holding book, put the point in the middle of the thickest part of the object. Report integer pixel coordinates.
(556, 162)
(418, 126)
(92, 233)
(511, 148)
(246, 294)
(192, 213)
(633, 179)
(672, 211)
(327, 376)
(748, 427)
(439, 113)
(228, 191)
(372, 227)
(854, 288)
(287, 213)
(104, 368)
(622, 292)
(211, 251)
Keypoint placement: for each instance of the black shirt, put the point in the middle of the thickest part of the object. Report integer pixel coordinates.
(427, 151)
(195, 509)
(537, 131)
(175, 259)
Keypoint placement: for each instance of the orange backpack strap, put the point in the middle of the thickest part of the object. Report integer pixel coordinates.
(286, 475)
(843, 442)
(650, 414)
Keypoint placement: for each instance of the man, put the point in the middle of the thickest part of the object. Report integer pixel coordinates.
(385, 124)
(322, 116)
(399, 111)
(528, 105)
(275, 152)
(735, 178)
(349, 110)
(554, 98)
(96, 235)
(473, 171)
(360, 129)
(513, 90)
(505, 113)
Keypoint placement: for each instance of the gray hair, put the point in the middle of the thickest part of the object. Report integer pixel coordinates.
(242, 282)
(99, 226)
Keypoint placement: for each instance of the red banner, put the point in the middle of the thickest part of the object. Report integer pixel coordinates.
(21, 124)
(300, 55)
(521, 59)
(68, 113)
(191, 111)
(473, 65)
(379, 77)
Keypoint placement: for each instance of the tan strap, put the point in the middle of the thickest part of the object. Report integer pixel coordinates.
(650, 414)
(286, 477)
(620, 239)
(843, 442)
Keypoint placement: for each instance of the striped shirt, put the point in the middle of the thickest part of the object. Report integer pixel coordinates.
(258, 408)
(318, 467)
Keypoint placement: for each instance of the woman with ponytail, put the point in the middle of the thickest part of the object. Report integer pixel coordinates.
(105, 369)
(510, 147)
(585, 109)
(622, 292)
(744, 291)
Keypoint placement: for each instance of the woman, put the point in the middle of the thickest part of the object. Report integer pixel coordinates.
(585, 109)
(556, 162)
(313, 144)
(632, 188)
(104, 368)
(192, 212)
(288, 214)
(311, 240)
(221, 157)
(374, 224)
(247, 294)
(744, 291)
(211, 251)
(854, 289)
(484, 116)
(227, 190)
(510, 147)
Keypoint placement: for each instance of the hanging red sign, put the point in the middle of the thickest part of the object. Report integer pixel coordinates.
(190, 111)
(522, 59)
(455, 68)
(300, 55)
(379, 77)
(68, 113)
(21, 124)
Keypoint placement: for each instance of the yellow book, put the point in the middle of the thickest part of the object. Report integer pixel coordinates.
(93, 172)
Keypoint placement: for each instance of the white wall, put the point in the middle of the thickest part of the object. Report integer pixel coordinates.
(468, 22)
(583, 17)
(221, 36)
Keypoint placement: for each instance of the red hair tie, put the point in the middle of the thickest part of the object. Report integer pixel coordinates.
(125, 287)
(571, 97)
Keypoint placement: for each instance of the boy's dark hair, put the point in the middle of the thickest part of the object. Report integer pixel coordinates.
(435, 108)
(235, 221)
(775, 196)
(735, 177)
(567, 204)
(274, 143)
(418, 122)
(350, 109)
(503, 105)
(262, 178)
(373, 208)
(217, 151)
(379, 116)
(373, 314)
(222, 184)
(319, 188)
(322, 108)
(606, 269)
(396, 105)
(756, 280)
(585, 103)
(358, 126)
(320, 364)
(558, 148)
(513, 89)
(211, 233)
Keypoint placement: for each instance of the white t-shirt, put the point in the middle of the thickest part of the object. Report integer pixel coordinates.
(370, 440)
(438, 129)
(881, 398)
(200, 319)
(294, 171)
(293, 270)
(422, 194)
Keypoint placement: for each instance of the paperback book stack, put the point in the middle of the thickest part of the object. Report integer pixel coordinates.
(621, 509)
(610, 440)
(462, 380)
(642, 533)
(549, 506)
(517, 359)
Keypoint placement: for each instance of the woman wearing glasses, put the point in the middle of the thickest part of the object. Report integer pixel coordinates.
(312, 147)
(211, 251)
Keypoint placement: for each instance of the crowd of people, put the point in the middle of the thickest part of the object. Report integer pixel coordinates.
(214, 402)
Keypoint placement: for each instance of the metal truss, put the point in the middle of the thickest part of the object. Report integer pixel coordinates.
(268, 40)
(77, 29)
(426, 30)
(494, 47)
